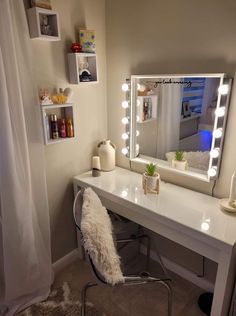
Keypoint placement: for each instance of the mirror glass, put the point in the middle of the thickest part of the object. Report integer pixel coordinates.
(174, 118)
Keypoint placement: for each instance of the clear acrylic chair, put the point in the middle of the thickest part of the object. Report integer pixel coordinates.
(142, 278)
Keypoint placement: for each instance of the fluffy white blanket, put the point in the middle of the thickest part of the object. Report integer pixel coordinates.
(96, 228)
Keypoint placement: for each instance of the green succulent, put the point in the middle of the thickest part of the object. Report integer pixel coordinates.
(179, 155)
(151, 169)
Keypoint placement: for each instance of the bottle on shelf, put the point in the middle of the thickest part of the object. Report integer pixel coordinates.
(62, 128)
(54, 126)
(69, 128)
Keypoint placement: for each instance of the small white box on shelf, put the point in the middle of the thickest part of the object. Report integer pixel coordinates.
(82, 68)
(62, 111)
(43, 24)
(147, 108)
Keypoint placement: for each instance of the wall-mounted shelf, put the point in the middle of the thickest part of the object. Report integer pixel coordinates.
(147, 109)
(81, 64)
(43, 24)
(62, 111)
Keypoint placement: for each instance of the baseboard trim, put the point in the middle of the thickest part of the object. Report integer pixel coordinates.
(63, 262)
(183, 272)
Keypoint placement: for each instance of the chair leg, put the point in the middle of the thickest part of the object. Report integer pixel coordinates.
(169, 289)
(83, 297)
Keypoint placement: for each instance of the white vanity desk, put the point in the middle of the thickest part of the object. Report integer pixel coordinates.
(189, 218)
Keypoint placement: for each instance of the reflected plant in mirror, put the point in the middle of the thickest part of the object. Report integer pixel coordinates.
(183, 115)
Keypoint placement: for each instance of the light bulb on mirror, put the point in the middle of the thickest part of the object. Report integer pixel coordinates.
(218, 133)
(212, 171)
(141, 87)
(125, 151)
(215, 152)
(125, 104)
(223, 89)
(125, 136)
(125, 87)
(125, 120)
(220, 112)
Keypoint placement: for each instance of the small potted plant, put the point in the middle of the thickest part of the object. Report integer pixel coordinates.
(179, 162)
(151, 179)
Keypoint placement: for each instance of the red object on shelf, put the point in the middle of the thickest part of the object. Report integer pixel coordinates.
(76, 47)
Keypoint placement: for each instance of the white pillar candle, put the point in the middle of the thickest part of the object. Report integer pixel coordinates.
(232, 188)
(96, 162)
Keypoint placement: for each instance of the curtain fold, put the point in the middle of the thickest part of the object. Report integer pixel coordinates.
(25, 256)
(168, 118)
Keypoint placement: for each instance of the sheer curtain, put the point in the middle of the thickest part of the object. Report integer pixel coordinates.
(25, 256)
(168, 118)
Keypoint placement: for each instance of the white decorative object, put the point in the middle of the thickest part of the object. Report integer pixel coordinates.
(106, 152)
(96, 228)
(68, 93)
(96, 166)
(151, 184)
(229, 204)
(179, 164)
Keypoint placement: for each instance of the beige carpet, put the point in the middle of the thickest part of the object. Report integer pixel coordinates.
(147, 300)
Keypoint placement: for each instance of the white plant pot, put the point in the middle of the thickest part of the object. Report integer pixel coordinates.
(152, 182)
(181, 165)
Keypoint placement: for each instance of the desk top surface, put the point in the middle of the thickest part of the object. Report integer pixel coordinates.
(196, 211)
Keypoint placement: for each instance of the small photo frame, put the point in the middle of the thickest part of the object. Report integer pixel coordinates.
(87, 40)
(186, 109)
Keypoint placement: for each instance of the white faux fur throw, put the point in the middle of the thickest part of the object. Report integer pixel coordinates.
(96, 228)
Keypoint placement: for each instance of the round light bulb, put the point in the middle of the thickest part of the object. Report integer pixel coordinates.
(220, 112)
(215, 152)
(212, 172)
(137, 133)
(124, 151)
(125, 136)
(223, 89)
(218, 133)
(125, 120)
(125, 87)
(125, 104)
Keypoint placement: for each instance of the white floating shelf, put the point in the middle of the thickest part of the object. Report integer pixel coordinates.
(62, 111)
(77, 63)
(37, 28)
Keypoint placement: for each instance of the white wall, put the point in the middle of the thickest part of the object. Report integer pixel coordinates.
(68, 159)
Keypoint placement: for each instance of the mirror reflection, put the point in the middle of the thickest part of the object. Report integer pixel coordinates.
(175, 119)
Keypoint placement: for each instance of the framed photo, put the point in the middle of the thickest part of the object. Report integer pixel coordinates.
(87, 40)
(186, 109)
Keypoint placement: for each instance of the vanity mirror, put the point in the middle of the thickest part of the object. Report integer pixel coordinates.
(177, 121)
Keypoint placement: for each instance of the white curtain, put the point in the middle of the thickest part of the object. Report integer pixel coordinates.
(25, 256)
(168, 118)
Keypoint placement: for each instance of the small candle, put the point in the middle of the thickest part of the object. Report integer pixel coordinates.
(232, 188)
(96, 163)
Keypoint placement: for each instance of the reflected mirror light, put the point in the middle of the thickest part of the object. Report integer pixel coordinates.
(220, 112)
(205, 226)
(137, 133)
(124, 193)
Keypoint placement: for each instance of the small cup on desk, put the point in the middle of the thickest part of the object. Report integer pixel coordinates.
(96, 166)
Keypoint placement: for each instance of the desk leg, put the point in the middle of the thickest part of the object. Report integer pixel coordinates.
(225, 279)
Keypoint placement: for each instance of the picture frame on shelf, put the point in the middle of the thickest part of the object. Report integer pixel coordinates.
(87, 40)
(186, 112)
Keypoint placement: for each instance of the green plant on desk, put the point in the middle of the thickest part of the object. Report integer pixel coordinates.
(151, 169)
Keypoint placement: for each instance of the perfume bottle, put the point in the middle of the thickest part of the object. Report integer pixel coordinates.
(69, 128)
(54, 126)
(62, 128)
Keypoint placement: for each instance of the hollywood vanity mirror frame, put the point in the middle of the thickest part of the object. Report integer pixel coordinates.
(131, 150)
